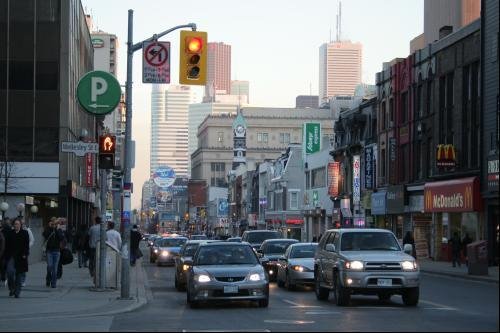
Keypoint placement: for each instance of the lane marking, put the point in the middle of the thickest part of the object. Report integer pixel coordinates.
(297, 305)
(285, 321)
(321, 312)
(438, 305)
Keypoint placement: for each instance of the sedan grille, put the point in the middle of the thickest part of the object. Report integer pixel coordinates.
(382, 266)
(230, 278)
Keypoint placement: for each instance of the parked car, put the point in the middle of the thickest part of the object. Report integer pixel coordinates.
(169, 249)
(226, 271)
(367, 262)
(154, 249)
(256, 237)
(270, 251)
(198, 237)
(234, 239)
(296, 266)
(186, 254)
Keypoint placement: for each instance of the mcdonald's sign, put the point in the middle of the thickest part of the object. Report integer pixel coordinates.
(445, 156)
(458, 195)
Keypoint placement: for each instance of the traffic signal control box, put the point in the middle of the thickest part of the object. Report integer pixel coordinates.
(193, 57)
(107, 145)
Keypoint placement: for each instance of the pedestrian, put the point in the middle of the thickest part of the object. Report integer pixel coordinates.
(32, 242)
(135, 238)
(408, 239)
(62, 224)
(6, 227)
(456, 247)
(2, 247)
(16, 254)
(113, 236)
(466, 241)
(53, 237)
(82, 245)
(94, 236)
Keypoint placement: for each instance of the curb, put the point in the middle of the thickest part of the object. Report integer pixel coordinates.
(463, 277)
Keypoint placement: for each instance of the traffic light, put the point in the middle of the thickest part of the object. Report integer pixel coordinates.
(193, 57)
(107, 145)
(116, 183)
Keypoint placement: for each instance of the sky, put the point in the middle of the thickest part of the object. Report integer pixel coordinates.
(275, 45)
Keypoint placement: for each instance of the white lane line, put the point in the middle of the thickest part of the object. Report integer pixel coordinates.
(297, 305)
(441, 306)
(321, 312)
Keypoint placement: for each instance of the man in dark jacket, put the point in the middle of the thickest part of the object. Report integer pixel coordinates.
(53, 238)
(16, 255)
(135, 238)
(456, 247)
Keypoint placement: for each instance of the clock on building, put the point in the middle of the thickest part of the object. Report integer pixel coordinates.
(240, 130)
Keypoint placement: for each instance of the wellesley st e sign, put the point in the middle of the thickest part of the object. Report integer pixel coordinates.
(80, 148)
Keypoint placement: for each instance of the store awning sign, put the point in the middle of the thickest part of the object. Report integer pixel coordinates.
(458, 195)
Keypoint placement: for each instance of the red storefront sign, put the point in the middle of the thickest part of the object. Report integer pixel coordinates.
(333, 178)
(89, 171)
(294, 221)
(445, 156)
(458, 195)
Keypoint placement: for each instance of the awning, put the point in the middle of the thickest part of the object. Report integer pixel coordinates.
(457, 195)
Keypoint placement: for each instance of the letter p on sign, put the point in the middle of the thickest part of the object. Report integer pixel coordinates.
(99, 86)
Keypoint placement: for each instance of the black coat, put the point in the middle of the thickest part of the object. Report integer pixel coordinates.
(135, 239)
(18, 247)
(54, 237)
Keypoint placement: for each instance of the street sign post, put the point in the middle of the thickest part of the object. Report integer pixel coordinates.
(156, 62)
(98, 92)
(80, 148)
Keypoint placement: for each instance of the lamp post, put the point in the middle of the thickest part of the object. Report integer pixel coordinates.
(20, 209)
(4, 206)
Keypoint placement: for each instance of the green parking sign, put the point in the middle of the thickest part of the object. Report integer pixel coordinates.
(98, 92)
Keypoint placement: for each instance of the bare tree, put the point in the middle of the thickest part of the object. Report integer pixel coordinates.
(7, 171)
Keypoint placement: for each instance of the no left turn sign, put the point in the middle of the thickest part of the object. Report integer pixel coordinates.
(156, 54)
(156, 62)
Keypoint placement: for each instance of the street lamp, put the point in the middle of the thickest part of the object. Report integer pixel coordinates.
(20, 209)
(4, 206)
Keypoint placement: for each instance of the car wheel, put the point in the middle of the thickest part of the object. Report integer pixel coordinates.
(384, 297)
(151, 260)
(192, 304)
(263, 303)
(410, 296)
(321, 293)
(342, 295)
(288, 285)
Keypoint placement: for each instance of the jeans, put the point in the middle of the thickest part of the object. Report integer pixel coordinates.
(455, 258)
(82, 259)
(52, 264)
(14, 279)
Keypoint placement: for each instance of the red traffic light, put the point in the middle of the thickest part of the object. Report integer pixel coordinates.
(194, 44)
(107, 144)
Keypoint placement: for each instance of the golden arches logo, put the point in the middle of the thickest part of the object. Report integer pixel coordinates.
(446, 152)
(428, 200)
(468, 197)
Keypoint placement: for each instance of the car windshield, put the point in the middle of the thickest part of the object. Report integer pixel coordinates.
(171, 242)
(276, 247)
(260, 237)
(226, 255)
(189, 250)
(369, 241)
(303, 251)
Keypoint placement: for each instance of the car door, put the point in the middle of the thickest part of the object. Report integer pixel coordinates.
(283, 264)
(320, 259)
(329, 259)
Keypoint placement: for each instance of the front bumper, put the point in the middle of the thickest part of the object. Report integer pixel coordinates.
(170, 259)
(301, 277)
(214, 290)
(367, 282)
(271, 267)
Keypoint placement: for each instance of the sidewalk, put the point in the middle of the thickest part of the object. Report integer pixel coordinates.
(73, 296)
(445, 268)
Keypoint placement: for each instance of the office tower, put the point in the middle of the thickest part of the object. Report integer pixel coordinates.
(219, 70)
(169, 127)
(339, 68)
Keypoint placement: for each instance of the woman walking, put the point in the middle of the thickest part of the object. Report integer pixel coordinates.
(17, 252)
(53, 238)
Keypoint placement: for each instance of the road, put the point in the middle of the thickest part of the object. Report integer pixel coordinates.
(446, 304)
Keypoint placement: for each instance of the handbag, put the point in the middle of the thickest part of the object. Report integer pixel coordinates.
(66, 256)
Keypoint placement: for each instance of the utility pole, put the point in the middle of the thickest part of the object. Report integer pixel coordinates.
(131, 48)
(101, 281)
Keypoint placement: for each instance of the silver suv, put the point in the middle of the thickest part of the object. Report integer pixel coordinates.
(367, 262)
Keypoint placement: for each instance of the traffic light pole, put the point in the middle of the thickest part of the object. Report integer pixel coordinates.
(131, 48)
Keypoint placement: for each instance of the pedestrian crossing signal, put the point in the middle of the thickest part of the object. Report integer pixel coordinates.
(107, 144)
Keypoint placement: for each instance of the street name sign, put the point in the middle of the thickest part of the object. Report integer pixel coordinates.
(98, 92)
(80, 148)
(156, 62)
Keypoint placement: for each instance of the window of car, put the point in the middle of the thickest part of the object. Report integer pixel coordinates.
(303, 251)
(189, 249)
(171, 242)
(260, 237)
(369, 241)
(275, 247)
(226, 255)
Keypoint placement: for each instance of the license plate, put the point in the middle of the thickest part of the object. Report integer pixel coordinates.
(230, 289)
(384, 282)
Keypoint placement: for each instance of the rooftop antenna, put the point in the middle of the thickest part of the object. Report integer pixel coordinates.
(340, 22)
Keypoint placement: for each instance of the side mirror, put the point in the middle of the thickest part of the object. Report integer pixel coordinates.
(330, 247)
(283, 258)
(408, 249)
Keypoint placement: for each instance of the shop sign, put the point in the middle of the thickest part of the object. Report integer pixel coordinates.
(459, 195)
(416, 203)
(312, 137)
(379, 203)
(295, 220)
(445, 156)
(395, 199)
(356, 180)
(333, 178)
(392, 159)
(493, 173)
(369, 168)
(89, 172)
(315, 199)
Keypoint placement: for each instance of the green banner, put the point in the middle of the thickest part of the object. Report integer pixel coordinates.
(312, 137)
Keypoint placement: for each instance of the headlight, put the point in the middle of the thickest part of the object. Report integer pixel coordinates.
(298, 268)
(203, 278)
(185, 267)
(357, 265)
(164, 253)
(409, 265)
(156, 251)
(256, 277)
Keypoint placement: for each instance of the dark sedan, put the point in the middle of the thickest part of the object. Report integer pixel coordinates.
(270, 251)
(186, 254)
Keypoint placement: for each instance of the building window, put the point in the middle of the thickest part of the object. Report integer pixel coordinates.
(270, 200)
(217, 174)
(259, 137)
(294, 200)
(404, 163)
(285, 138)
(430, 152)
(404, 107)
(318, 178)
(391, 112)
(418, 159)
(308, 180)
(428, 104)
(220, 136)
(382, 116)
(382, 165)
(262, 137)
(419, 110)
